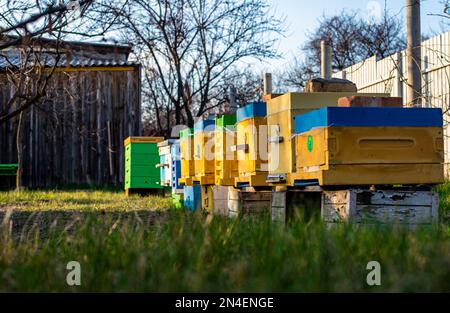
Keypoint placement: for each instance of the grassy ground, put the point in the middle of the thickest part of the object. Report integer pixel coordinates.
(137, 244)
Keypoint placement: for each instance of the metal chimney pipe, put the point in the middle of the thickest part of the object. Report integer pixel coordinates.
(325, 48)
(267, 83)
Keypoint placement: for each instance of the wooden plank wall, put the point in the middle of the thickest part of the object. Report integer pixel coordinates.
(75, 135)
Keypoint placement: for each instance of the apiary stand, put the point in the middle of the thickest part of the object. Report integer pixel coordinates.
(409, 207)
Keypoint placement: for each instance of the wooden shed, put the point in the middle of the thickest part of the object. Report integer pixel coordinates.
(74, 134)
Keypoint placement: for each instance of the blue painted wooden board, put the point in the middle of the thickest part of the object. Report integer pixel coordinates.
(251, 109)
(360, 116)
(176, 165)
(192, 198)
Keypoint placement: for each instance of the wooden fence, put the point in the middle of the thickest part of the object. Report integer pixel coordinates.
(75, 135)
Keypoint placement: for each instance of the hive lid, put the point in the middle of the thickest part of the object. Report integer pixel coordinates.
(307, 101)
(203, 125)
(167, 142)
(251, 109)
(142, 140)
(368, 116)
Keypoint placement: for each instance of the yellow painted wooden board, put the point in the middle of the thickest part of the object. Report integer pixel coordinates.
(204, 154)
(280, 119)
(251, 146)
(375, 174)
(187, 159)
(226, 164)
(142, 140)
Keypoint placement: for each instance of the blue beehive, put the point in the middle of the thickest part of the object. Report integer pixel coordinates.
(368, 116)
(176, 165)
(165, 162)
(251, 109)
(192, 198)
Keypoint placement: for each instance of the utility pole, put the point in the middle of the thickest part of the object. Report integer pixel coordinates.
(325, 63)
(414, 54)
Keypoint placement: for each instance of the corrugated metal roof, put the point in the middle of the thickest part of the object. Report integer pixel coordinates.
(16, 57)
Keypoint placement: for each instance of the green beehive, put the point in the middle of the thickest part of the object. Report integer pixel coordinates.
(141, 158)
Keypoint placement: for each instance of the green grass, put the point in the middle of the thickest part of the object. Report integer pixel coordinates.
(80, 200)
(177, 251)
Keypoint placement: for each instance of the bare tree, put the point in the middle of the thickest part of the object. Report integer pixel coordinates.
(187, 47)
(352, 39)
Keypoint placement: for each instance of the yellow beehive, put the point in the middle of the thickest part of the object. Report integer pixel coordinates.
(187, 156)
(372, 155)
(226, 164)
(251, 133)
(204, 152)
(280, 119)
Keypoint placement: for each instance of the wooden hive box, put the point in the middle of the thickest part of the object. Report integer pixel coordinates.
(411, 208)
(251, 133)
(226, 164)
(176, 167)
(204, 152)
(165, 162)
(187, 156)
(248, 203)
(281, 111)
(141, 158)
(369, 146)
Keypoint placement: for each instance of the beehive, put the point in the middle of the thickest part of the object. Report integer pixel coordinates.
(192, 198)
(226, 164)
(141, 158)
(251, 145)
(165, 162)
(280, 119)
(176, 167)
(186, 156)
(369, 146)
(204, 152)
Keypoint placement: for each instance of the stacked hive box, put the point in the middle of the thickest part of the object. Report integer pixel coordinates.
(204, 152)
(251, 133)
(175, 166)
(165, 162)
(177, 189)
(369, 146)
(280, 119)
(141, 158)
(186, 157)
(226, 164)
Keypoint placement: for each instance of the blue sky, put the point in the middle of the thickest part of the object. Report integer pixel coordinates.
(302, 15)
